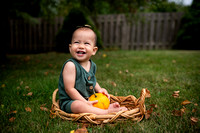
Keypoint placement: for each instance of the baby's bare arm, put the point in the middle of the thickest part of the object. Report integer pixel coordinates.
(69, 77)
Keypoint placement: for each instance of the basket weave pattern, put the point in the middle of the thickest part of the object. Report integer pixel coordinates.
(136, 110)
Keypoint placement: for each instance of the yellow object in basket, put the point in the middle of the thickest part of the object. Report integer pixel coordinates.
(103, 101)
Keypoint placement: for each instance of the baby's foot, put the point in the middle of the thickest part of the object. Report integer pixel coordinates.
(115, 107)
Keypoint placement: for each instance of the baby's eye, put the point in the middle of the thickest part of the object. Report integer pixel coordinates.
(76, 42)
(87, 43)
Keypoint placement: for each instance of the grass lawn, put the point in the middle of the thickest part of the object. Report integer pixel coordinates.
(28, 81)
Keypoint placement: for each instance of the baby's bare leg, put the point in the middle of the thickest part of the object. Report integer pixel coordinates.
(82, 107)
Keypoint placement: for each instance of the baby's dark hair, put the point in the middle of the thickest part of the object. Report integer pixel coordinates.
(87, 27)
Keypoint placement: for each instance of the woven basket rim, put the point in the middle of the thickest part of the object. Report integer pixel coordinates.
(135, 114)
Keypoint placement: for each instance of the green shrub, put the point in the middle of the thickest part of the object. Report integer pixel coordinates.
(76, 17)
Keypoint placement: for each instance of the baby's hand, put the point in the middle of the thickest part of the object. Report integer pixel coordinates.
(92, 102)
(104, 91)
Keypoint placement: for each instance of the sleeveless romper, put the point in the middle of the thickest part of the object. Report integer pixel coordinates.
(84, 84)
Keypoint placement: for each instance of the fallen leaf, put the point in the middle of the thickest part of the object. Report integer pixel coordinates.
(3, 85)
(27, 58)
(183, 110)
(26, 87)
(43, 105)
(126, 70)
(50, 65)
(21, 83)
(113, 83)
(193, 120)
(120, 72)
(186, 102)
(165, 80)
(12, 119)
(13, 112)
(153, 105)
(81, 130)
(18, 88)
(173, 61)
(28, 109)
(44, 109)
(194, 110)
(30, 94)
(147, 116)
(46, 73)
(107, 65)
(148, 113)
(177, 113)
(104, 55)
(176, 92)
(176, 95)
(148, 95)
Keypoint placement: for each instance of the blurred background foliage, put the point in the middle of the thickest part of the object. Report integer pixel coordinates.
(52, 8)
(75, 10)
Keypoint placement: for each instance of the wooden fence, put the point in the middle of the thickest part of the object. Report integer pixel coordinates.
(26, 37)
(141, 31)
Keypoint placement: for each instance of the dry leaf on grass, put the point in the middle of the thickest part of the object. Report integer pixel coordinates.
(12, 119)
(193, 120)
(30, 94)
(147, 116)
(176, 94)
(153, 105)
(194, 110)
(186, 102)
(104, 55)
(3, 85)
(126, 71)
(81, 130)
(148, 112)
(44, 108)
(13, 112)
(107, 65)
(27, 58)
(183, 110)
(28, 109)
(177, 113)
(46, 73)
(173, 61)
(165, 80)
(113, 84)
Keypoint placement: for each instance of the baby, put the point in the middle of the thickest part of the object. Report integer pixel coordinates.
(77, 80)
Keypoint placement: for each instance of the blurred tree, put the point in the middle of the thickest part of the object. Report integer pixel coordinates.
(163, 6)
(188, 36)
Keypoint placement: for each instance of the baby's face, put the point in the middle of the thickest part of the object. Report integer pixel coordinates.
(83, 46)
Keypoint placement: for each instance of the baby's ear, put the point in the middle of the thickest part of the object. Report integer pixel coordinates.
(95, 50)
(70, 45)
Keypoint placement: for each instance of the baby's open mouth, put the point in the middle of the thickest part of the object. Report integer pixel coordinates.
(81, 52)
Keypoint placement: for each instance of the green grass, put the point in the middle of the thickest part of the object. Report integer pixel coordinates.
(162, 72)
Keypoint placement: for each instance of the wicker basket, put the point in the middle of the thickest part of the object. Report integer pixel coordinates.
(136, 110)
